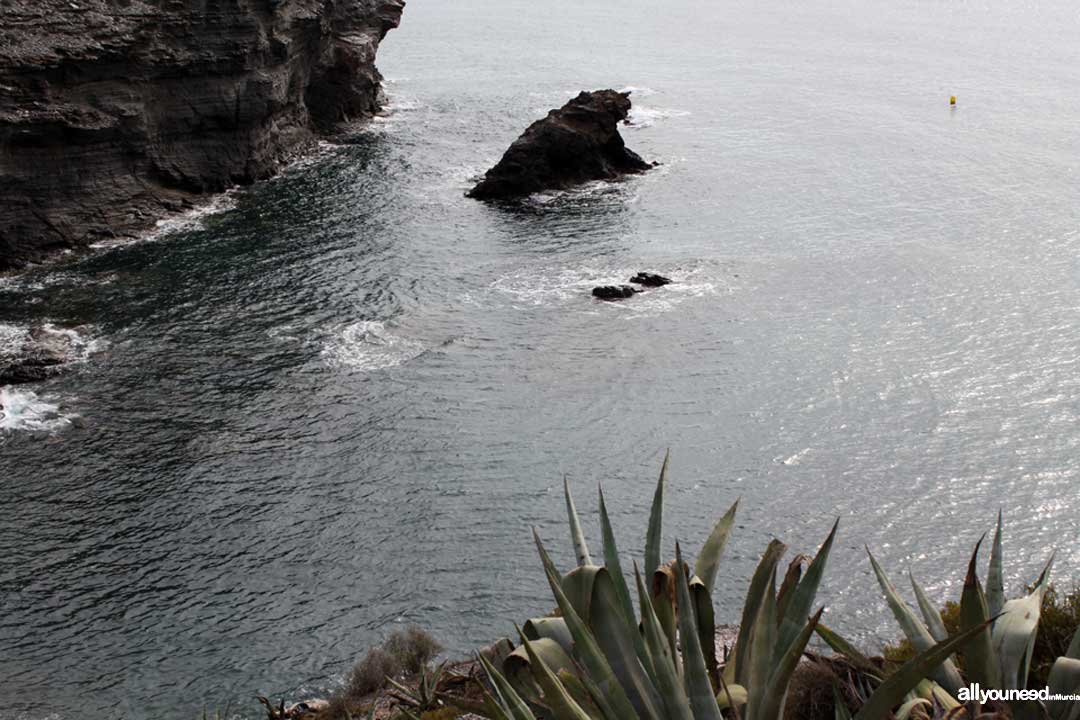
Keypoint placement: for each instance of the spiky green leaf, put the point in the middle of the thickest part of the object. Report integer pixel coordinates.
(896, 687)
(708, 561)
(556, 698)
(656, 523)
(930, 614)
(755, 596)
(914, 629)
(979, 657)
(581, 550)
(802, 601)
(585, 645)
(666, 676)
(995, 577)
(696, 675)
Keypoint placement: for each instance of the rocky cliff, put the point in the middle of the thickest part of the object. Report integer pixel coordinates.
(115, 112)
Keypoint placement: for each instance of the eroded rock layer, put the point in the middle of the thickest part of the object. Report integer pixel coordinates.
(114, 112)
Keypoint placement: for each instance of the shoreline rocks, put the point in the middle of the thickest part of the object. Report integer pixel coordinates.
(115, 114)
(42, 352)
(574, 144)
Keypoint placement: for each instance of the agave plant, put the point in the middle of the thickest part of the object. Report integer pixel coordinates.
(425, 696)
(1000, 639)
(600, 659)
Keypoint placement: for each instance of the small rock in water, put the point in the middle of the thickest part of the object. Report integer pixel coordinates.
(614, 292)
(650, 279)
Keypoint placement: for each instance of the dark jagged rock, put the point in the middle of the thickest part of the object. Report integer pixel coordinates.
(650, 279)
(614, 292)
(574, 144)
(40, 354)
(115, 112)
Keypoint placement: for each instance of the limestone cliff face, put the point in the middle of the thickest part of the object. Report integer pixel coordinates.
(114, 112)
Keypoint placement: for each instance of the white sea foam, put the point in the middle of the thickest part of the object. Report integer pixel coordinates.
(194, 219)
(563, 286)
(23, 410)
(642, 116)
(82, 341)
(367, 345)
(637, 91)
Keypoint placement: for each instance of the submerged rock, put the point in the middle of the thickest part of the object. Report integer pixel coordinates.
(650, 279)
(40, 354)
(574, 144)
(614, 292)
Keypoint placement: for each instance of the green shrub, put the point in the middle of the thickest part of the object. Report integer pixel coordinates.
(1058, 621)
(412, 648)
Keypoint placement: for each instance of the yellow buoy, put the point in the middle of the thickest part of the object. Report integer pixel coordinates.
(952, 99)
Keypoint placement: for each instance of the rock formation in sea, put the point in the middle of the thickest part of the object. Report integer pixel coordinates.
(115, 112)
(614, 292)
(649, 279)
(574, 144)
(40, 353)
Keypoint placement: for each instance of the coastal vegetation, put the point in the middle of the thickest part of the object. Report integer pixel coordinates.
(601, 656)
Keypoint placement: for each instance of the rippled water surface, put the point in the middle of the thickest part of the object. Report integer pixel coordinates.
(335, 404)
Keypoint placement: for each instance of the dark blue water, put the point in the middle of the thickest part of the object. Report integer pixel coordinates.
(336, 404)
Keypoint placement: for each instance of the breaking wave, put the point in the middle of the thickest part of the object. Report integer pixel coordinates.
(367, 345)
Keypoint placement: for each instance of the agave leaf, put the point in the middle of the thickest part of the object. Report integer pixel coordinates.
(840, 705)
(1013, 637)
(552, 628)
(755, 596)
(905, 710)
(939, 695)
(732, 696)
(556, 697)
(1064, 680)
(773, 708)
(665, 675)
(802, 601)
(519, 671)
(995, 577)
(578, 586)
(586, 647)
(1074, 647)
(705, 619)
(581, 550)
(946, 675)
(787, 587)
(698, 685)
(622, 593)
(618, 640)
(510, 702)
(611, 561)
(934, 623)
(852, 653)
(895, 688)
(708, 562)
(497, 651)
(980, 659)
(494, 709)
(663, 600)
(656, 522)
(762, 642)
(574, 685)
